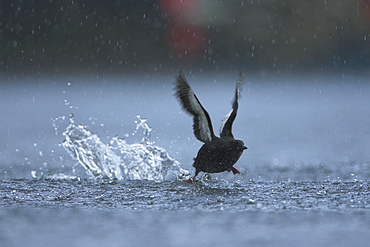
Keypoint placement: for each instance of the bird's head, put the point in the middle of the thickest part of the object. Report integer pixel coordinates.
(240, 145)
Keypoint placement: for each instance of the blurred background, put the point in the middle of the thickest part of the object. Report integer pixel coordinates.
(157, 35)
(305, 105)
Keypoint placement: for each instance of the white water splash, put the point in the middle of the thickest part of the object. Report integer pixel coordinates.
(120, 160)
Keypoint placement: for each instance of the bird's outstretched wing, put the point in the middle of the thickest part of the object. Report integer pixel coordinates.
(227, 121)
(202, 125)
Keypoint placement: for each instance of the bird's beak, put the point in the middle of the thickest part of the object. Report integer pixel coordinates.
(245, 147)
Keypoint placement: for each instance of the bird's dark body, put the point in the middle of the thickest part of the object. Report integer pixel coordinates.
(218, 155)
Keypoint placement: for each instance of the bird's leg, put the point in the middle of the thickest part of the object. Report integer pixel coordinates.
(234, 170)
(190, 180)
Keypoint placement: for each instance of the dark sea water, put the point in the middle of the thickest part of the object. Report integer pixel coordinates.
(78, 167)
(132, 213)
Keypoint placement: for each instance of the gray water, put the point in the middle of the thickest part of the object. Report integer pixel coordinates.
(100, 177)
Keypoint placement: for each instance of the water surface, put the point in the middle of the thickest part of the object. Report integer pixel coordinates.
(78, 167)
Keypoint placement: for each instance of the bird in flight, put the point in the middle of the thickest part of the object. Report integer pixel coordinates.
(218, 154)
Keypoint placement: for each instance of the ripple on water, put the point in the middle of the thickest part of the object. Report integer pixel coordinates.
(176, 195)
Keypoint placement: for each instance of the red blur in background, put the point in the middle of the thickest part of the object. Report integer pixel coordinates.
(184, 36)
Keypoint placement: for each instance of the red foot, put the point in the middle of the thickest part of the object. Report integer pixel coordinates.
(234, 170)
(190, 180)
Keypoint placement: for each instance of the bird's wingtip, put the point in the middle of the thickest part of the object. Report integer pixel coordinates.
(180, 73)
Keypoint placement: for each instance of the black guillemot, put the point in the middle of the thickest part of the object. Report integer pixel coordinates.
(218, 154)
